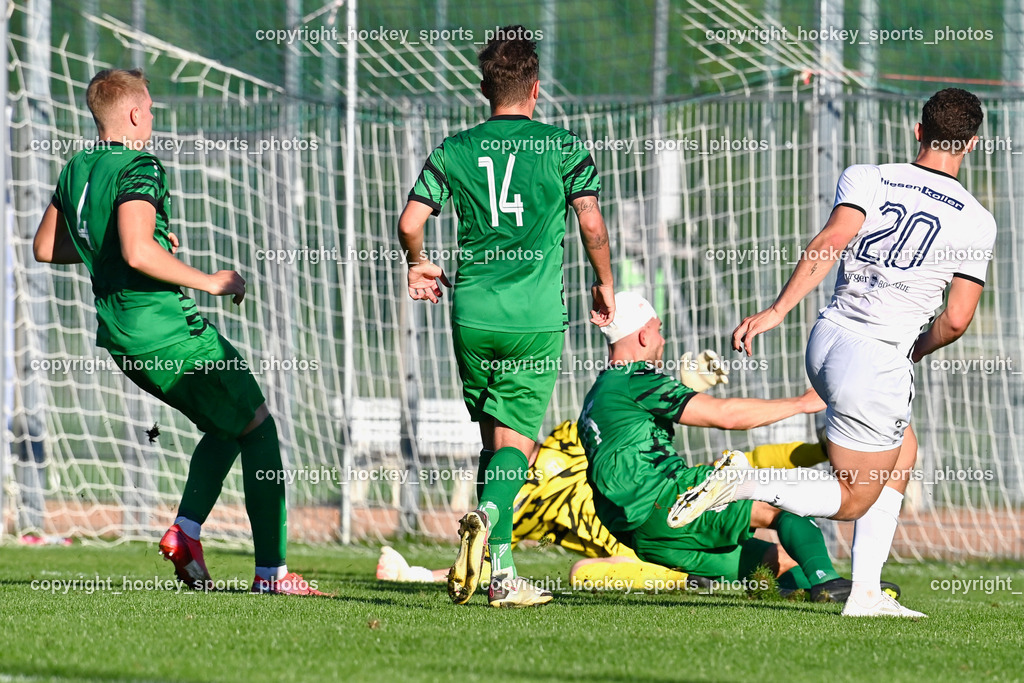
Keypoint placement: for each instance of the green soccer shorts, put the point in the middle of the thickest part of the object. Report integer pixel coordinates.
(508, 375)
(204, 377)
(719, 543)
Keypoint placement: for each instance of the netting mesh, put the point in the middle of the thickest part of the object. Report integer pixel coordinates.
(708, 201)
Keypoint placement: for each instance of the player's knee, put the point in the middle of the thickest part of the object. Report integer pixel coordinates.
(855, 504)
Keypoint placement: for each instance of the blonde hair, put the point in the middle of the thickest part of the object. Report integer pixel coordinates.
(110, 88)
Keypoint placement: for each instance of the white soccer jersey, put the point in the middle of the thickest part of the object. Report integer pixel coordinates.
(921, 229)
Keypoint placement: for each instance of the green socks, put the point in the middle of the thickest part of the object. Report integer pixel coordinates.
(802, 539)
(485, 461)
(794, 579)
(264, 495)
(503, 476)
(211, 462)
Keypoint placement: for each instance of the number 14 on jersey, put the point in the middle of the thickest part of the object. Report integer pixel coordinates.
(516, 205)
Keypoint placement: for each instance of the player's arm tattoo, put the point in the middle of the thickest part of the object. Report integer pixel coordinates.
(584, 205)
(592, 241)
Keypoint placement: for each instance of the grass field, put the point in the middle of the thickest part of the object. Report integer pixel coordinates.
(374, 631)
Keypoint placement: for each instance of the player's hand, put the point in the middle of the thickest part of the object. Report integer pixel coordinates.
(743, 335)
(703, 372)
(810, 402)
(227, 282)
(602, 313)
(423, 281)
(173, 239)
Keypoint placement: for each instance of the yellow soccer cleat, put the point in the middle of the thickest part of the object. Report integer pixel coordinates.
(464, 576)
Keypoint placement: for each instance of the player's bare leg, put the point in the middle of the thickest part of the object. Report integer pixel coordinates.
(861, 478)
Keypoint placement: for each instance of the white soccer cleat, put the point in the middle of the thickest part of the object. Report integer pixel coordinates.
(734, 460)
(391, 566)
(719, 488)
(517, 592)
(885, 606)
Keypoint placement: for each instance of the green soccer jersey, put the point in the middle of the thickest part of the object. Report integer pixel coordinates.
(511, 180)
(626, 427)
(136, 313)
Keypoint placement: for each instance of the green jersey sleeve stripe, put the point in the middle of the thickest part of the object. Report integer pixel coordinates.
(140, 184)
(425, 200)
(647, 393)
(682, 406)
(580, 167)
(438, 176)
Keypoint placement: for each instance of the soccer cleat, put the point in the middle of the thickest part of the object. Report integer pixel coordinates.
(290, 584)
(793, 594)
(186, 554)
(838, 590)
(719, 488)
(885, 606)
(736, 460)
(464, 576)
(699, 583)
(517, 592)
(391, 566)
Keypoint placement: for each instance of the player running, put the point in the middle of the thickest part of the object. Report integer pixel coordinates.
(511, 180)
(110, 211)
(906, 232)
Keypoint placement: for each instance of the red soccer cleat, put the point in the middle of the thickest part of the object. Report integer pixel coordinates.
(187, 556)
(291, 584)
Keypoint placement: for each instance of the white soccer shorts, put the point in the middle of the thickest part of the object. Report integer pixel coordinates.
(867, 384)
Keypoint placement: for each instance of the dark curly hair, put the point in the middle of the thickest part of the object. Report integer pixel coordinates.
(509, 66)
(951, 115)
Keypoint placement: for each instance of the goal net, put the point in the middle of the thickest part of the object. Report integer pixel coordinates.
(708, 201)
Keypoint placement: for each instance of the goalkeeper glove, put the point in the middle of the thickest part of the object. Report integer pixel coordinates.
(704, 372)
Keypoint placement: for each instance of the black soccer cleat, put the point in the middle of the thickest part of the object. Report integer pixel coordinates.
(838, 590)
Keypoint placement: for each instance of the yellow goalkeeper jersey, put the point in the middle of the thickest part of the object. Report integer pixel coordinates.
(556, 504)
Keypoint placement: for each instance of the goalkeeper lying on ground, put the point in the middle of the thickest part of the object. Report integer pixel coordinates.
(556, 506)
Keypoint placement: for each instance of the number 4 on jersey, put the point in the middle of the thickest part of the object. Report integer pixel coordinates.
(505, 206)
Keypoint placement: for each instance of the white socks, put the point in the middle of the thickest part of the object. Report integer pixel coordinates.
(272, 573)
(190, 528)
(872, 539)
(794, 491)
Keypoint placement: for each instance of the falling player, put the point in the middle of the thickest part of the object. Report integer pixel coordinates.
(511, 180)
(906, 233)
(556, 507)
(110, 211)
(627, 426)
